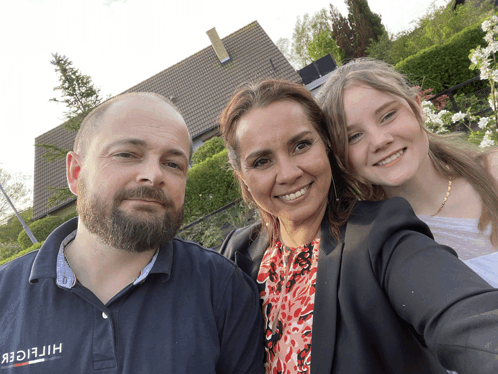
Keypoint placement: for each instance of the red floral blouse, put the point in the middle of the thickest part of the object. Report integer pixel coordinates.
(289, 277)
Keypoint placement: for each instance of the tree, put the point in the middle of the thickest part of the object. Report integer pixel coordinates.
(358, 30)
(80, 96)
(311, 40)
(16, 186)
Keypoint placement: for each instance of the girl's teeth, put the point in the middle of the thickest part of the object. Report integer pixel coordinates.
(295, 195)
(393, 157)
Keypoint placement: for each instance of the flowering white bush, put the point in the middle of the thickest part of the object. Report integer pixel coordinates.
(484, 59)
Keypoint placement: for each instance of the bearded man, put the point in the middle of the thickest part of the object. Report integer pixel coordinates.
(113, 291)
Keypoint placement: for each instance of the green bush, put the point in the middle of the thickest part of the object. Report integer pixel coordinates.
(40, 229)
(446, 65)
(9, 231)
(67, 217)
(210, 185)
(21, 253)
(208, 149)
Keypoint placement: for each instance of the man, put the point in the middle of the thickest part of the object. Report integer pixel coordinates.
(114, 292)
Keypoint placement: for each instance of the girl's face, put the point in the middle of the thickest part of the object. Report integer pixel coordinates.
(284, 162)
(386, 144)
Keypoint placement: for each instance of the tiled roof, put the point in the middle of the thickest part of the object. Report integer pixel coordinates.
(199, 86)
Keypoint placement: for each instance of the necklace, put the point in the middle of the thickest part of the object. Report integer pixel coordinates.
(445, 198)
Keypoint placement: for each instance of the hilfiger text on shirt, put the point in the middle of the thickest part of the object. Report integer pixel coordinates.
(31, 356)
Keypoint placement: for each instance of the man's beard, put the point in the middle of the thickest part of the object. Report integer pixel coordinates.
(122, 230)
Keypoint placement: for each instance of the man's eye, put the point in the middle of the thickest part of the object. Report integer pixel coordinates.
(173, 165)
(124, 155)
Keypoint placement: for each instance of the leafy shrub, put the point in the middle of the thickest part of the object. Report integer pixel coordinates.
(443, 66)
(40, 229)
(208, 149)
(210, 185)
(11, 229)
(21, 253)
(67, 217)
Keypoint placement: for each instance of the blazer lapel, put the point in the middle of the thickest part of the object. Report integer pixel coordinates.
(250, 261)
(325, 310)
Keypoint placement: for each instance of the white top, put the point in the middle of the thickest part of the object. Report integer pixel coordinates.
(472, 246)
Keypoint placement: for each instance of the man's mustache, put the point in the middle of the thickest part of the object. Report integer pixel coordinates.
(144, 192)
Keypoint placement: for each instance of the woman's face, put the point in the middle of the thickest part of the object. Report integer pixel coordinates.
(387, 145)
(284, 162)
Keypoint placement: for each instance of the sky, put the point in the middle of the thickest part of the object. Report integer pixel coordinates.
(120, 43)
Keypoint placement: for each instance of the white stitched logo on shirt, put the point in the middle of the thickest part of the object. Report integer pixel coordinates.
(31, 356)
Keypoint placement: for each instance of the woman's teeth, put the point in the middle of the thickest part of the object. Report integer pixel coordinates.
(296, 194)
(392, 158)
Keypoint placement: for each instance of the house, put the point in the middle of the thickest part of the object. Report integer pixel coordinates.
(199, 86)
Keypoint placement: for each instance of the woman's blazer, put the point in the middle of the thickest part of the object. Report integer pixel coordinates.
(389, 299)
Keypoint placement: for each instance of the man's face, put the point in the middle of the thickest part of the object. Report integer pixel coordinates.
(131, 186)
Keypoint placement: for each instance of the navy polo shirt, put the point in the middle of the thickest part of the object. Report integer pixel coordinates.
(190, 311)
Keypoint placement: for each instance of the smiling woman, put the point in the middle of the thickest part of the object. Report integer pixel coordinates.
(346, 286)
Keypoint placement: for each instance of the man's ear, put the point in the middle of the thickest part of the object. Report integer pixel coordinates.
(73, 169)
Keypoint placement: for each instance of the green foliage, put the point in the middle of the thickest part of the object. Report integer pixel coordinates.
(436, 27)
(207, 149)
(59, 195)
(12, 227)
(312, 39)
(358, 30)
(210, 185)
(40, 229)
(381, 49)
(211, 232)
(69, 216)
(323, 44)
(80, 96)
(21, 253)
(443, 66)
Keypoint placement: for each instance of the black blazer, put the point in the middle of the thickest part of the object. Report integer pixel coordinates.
(393, 301)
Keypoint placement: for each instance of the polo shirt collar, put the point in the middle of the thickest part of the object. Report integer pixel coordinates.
(50, 262)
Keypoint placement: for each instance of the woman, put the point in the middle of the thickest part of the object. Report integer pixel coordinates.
(377, 123)
(375, 295)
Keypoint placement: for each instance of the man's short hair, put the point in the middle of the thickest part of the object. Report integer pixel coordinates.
(93, 120)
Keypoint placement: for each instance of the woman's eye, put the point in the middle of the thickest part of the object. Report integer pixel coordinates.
(353, 137)
(302, 145)
(260, 162)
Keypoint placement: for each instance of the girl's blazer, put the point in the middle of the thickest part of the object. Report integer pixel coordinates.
(388, 298)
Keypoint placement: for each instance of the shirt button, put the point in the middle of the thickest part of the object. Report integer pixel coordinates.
(104, 315)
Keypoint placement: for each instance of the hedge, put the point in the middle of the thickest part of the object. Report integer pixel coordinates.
(208, 149)
(446, 65)
(40, 229)
(22, 253)
(210, 185)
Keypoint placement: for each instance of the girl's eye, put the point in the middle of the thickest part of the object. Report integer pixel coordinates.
(302, 145)
(353, 137)
(388, 116)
